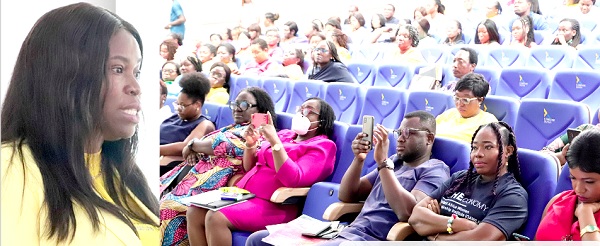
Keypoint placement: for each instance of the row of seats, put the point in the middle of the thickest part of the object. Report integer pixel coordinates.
(542, 56)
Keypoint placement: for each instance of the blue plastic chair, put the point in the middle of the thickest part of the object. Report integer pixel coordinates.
(386, 104)
(169, 102)
(504, 108)
(551, 57)
(523, 83)
(507, 56)
(588, 57)
(280, 90)
(491, 75)
(212, 111)
(577, 85)
(303, 90)
(564, 181)
(456, 154)
(394, 75)
(238, 83)
(346, 100)
(434, 54)
(225, 117)
(540, 121)
(434, 102)
(363, 71)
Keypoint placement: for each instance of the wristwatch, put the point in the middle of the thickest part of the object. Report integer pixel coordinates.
(191, 143)
(389, 164)
(276, 147)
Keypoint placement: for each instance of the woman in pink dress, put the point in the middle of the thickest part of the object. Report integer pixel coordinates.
(289, 158)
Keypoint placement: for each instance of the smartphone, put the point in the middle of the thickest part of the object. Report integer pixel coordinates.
(259, 118)
(520, 237)
(572, 133)
(367, 127)
(316, 230)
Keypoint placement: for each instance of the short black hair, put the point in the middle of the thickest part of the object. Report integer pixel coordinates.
(216, 34)
(212, 48)
(230, 49)
(426, 119)
(293, 27)
(195, 85)
(334, 23)
(326, 117)
(360, 18)
(177, 66)
(264, 103)
(584, 151)
(474, 82)
(227, 73)
(473, 58)
(261, 42)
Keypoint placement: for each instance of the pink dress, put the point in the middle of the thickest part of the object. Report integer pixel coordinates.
(309, 162)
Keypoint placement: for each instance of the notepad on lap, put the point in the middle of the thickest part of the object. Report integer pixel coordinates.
(217, 199)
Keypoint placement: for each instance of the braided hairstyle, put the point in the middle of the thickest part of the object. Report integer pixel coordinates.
(506, 137)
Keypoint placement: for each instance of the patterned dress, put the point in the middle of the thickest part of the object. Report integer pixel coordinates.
(211, 172)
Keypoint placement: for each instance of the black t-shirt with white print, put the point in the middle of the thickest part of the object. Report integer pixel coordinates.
(507, 210)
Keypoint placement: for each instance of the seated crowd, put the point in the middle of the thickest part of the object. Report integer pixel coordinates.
(409, 186)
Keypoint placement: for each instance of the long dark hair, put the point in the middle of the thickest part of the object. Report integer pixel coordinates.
(492, 30)
(505, 137)
(54, 106)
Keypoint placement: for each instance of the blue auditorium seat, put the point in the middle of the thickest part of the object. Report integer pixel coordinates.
(346, 100)
(551, 57)
(506, 56)
(280, 90)
(225, 117)
(588, 57)
(454, 153)
(588, 25)
(212, 111)
(363, 71)
(504, 108)
(539, 174)
(540, 121)
(434, 54)
(169, 102)
(238, 83)
(504, 36)
(491, 75)
(564, 182)
(367, 53)
(522, 83)
(386, 104)
(284, 120)
(305, 89)
(596, 118)
(394, 75)
(540, 35)
(578, 85)
(434, 102)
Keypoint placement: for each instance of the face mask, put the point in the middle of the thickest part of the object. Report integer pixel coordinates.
(300, 124)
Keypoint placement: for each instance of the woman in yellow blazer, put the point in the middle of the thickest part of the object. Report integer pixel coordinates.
(69, 135)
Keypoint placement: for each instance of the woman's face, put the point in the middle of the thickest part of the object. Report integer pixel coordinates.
(164, 52)
(354, 23)
(169, 72)
(187, 108)
(217, 77)
(431, 7)
(322, 54)
(375, 23)
(290, 57)
(243, 116)
(452, 30)
(224, 55)
(585, 6)
(585, 185)
(121, 90)
(215, 40)
(403, 39)
(484, 153)
(272, 38)
(313, 107)
(483, 35)
(253, 34)
(470, 109)
(204, 54)
(258, 53)
(314, 40)
(518, 32)
(187, 67)
(565, 28)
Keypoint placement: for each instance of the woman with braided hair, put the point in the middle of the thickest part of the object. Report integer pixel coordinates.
(484, 203)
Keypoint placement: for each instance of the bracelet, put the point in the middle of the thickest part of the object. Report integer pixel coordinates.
(589, 229)
(252, 147)
(450, 221)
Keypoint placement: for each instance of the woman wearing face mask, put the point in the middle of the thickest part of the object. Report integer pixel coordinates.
(289, 158)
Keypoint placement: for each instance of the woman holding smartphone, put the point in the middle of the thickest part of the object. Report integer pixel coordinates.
(289, 158)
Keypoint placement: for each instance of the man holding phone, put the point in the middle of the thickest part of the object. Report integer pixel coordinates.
(391, 191)
(559, 147)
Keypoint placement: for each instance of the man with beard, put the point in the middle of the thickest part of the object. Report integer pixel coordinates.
(391, 191)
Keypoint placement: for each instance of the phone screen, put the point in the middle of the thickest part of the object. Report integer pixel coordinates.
(259, 118)
(572, 133)
(367, 127)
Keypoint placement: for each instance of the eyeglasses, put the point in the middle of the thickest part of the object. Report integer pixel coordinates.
(321, 50)
(306, 111)
(216, 75)
(181, 107)
(406, 132)
(168, 71)
(242, 105)
(464, 100)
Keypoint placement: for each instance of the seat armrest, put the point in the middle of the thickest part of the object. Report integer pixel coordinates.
(166, 159)
(338, 209)
(283, 193)
(400, 231)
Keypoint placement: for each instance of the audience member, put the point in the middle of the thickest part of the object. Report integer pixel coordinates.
(460, 122)
(248, 14)
(380, 33)
(464, 62)
(494, 11)
(524, 7)
(358, 32)
(211, 162)
(255, 31)
(290, 35)
(351, 11)
(272, 38)
(216, 39)
(292, 66)
(522, 32)
(165, 111)
(226, 35)
(492, 201)
(174, 37)
(70, 133)
(469, 15)
(261, 61)
(568, 33)
(177, 20)
(188, 122)
(435, 15)
(242, 46)
(558, 147)
(327, 65)
(388, 12)
(454, 33)
(586, 11)
(487, 33)
(226, 54)
(314, 29)
(168, 49)
(190, 64)
(420, 12)
(341, 44)
(407, 38)
(573, 215)
(289, 158)
(269, 20)
(425, 40)
(170, 71)
(313, 41)
(206, 53)
(219, 77)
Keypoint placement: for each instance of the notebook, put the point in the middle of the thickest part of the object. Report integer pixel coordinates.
(217, 199)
